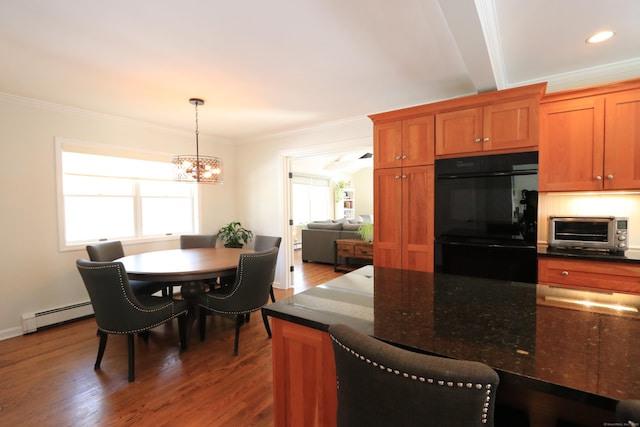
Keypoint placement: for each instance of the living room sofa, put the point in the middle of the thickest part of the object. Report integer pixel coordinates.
(319, 237)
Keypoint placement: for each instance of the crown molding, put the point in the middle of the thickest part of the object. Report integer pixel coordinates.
(622, 70)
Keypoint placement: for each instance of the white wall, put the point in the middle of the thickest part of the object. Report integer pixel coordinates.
(36, 276)
(363, 182)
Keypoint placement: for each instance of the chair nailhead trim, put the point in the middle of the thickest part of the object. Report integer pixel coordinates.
(461, 385)
(169, 303)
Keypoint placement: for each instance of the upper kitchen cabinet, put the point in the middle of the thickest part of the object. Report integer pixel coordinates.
(402, 143)
(494, 122)
(590, 139)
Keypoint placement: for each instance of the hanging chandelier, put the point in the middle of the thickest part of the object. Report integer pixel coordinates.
(197, 168)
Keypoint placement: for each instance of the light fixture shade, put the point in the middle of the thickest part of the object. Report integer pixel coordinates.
(200, 169)
(186, 168)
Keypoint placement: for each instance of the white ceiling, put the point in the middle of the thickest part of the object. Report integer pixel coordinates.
(268, 67)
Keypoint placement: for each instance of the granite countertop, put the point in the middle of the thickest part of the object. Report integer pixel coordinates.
(535, 336)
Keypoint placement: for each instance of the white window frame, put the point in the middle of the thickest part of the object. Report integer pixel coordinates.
(116, 151)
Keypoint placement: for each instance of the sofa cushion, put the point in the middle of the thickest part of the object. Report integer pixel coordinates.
(350, 227)
(324, 226)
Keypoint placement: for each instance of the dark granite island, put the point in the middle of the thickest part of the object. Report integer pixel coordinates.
(561, 354)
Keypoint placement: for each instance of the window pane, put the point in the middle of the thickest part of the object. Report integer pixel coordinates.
(94, 218)
(96, 165)
(165, 188)
(118, 197)
(166, 215)
(90, 185)
(311, 203)
(319, 203)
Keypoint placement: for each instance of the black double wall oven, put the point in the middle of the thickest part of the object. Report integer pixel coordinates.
(486, 210)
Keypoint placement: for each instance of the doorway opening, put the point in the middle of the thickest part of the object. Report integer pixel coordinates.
(322, 167)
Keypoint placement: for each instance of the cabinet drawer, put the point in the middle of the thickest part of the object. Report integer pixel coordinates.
(346, 251)
(364, 251)
(608, 276)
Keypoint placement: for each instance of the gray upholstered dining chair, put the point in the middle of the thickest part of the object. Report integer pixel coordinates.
(249, 292)
(109, 251)
(262, 243)
(379, 384)
(119, 311)
(193, 241)
(628, 412)
(190, 241)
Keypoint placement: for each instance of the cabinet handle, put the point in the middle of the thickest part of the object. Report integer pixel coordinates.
(404, 176)
(398, 157)
(598, 178)
(477, 140)
(609, 176)
(404, 157)
(485, 139)
(397, 176)
(565, 273)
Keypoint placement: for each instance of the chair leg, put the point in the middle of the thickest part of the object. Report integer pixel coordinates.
(101, 347)
(266, 323)
(132, 375)
(202, 323)
(182, 330)
(273, 297)
(239, 322)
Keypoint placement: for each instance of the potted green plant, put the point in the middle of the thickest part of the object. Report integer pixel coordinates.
(365, 231)
(234, 235)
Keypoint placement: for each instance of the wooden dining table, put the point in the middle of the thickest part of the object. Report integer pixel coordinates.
(188, 268)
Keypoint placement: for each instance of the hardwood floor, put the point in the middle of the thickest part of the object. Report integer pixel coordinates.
(47, 378)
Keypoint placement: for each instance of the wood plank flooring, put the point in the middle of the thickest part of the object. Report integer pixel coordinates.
(47, 378)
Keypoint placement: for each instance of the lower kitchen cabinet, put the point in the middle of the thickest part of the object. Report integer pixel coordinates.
(597, 275)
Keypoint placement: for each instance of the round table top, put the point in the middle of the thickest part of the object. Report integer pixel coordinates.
(180, 265)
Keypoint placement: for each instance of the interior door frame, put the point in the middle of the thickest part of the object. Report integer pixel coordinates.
(286, 157)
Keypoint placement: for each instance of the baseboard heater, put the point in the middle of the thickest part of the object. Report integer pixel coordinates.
(31, 322)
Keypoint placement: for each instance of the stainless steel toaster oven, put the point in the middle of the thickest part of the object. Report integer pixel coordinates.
(607, 233)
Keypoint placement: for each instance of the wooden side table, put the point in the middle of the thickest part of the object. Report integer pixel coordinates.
(347, 249)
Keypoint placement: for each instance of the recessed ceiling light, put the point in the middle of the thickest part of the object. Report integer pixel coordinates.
(600, 37)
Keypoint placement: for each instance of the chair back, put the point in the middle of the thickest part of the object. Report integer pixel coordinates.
(117, 309)
(190, 241)
(104, 252)
(254, 277)
(379, 384)
(262, 243)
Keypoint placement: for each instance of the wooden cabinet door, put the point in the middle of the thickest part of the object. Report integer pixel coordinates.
(387, 211)
(571, 145)
(622, 141)
(511, 125)
(304, 376)
(404, 142)
(417, 141)
(459, 132)
(387, 145)
(417, 218)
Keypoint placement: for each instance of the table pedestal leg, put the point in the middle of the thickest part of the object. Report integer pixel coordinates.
(190, 292)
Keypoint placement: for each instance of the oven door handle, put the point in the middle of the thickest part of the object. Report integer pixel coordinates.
(486, 245)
